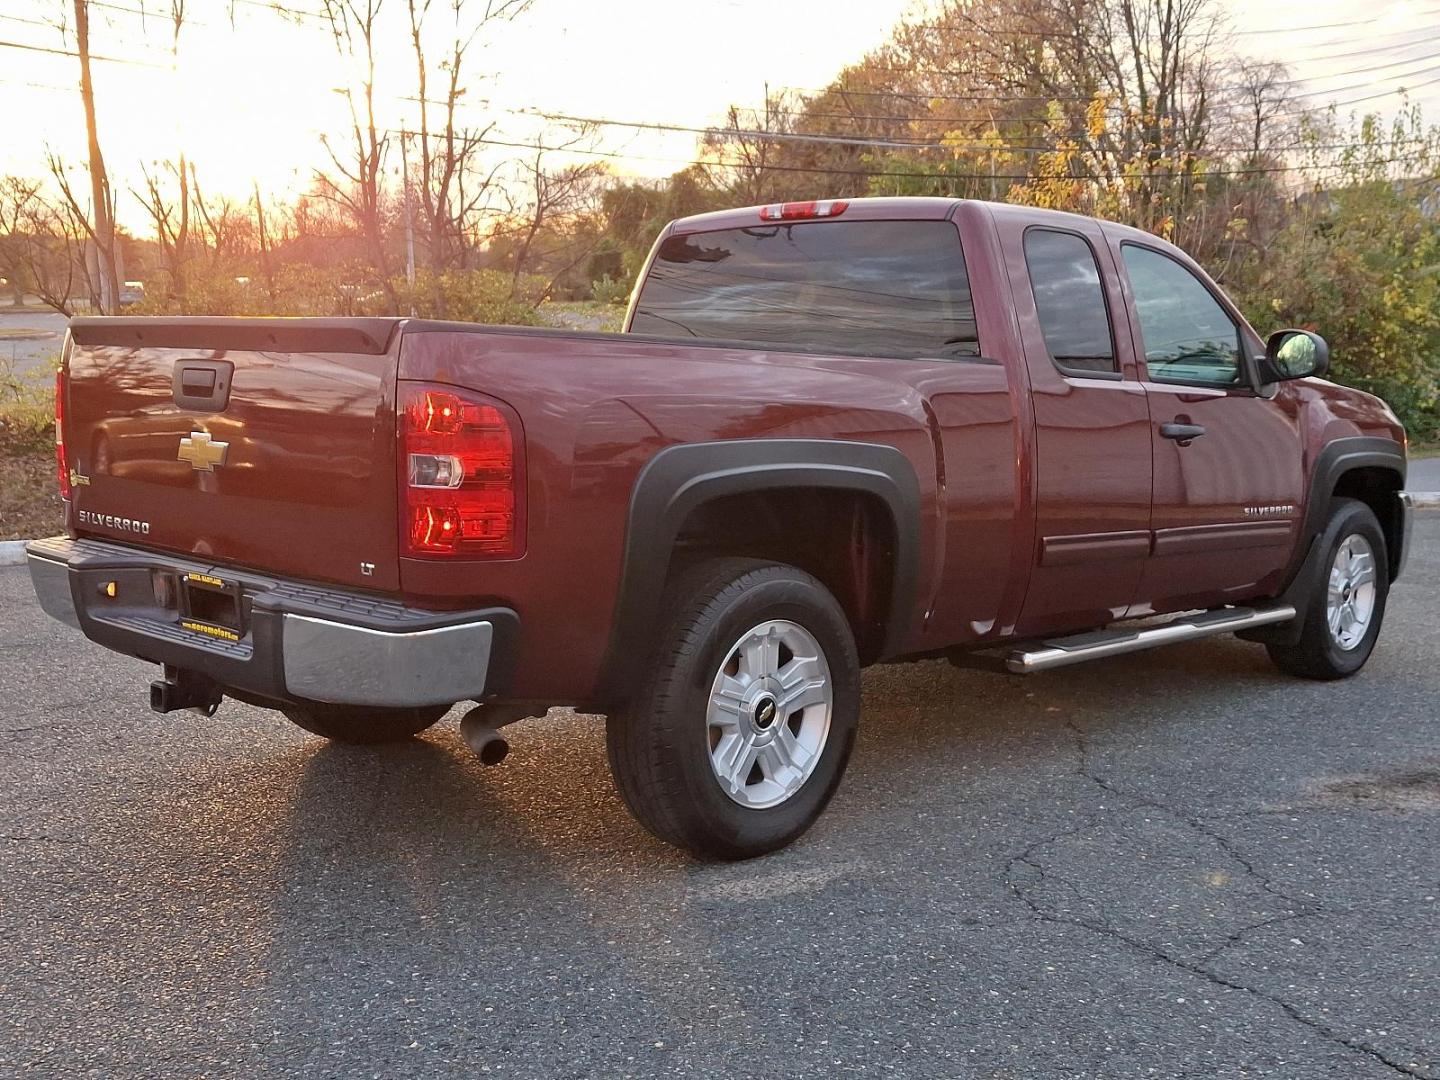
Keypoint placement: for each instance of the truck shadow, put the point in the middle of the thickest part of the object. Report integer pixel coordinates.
(387, 806)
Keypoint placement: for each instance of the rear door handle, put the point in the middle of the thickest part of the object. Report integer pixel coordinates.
(1181, 433)
(202, 385)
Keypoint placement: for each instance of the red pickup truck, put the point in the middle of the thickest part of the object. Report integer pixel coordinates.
(833, 434)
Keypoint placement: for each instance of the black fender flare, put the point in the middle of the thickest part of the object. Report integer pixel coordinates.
(1336, 459)
(1306, 568)
(684, 476)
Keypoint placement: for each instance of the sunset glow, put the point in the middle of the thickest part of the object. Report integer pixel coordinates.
(253, 89)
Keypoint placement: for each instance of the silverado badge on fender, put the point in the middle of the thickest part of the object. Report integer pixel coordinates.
(202, 454)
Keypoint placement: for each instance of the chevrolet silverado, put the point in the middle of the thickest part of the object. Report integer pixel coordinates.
(832, 434)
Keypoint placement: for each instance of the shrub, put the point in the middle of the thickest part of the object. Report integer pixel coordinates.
(483, 296)
(609, 291)
(27, 406)
(479, 296)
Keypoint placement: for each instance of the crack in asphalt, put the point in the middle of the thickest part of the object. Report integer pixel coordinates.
(1198, 968)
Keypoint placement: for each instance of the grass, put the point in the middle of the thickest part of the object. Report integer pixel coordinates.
(29, 494)
(588, 315)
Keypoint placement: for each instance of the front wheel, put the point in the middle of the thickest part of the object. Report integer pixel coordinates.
(355, 724)
(743, 722)
(1342, 620)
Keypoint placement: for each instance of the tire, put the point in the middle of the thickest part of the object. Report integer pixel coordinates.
(663, 744)
(356, 724)
(1332, 646)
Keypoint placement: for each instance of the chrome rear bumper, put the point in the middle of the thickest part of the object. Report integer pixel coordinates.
(354, 665)
(298, 641)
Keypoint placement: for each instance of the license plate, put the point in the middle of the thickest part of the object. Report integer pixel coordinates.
(211, 606)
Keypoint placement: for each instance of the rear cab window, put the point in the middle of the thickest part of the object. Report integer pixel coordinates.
(869, 288)
(1070, 302)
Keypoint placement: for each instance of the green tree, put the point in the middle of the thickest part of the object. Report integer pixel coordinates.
(1358, 261)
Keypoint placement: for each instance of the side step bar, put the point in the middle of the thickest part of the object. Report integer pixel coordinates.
(1036, 656)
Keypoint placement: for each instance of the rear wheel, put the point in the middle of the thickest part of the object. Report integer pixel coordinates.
(1343, 618)
(742, 725)
(356, 724)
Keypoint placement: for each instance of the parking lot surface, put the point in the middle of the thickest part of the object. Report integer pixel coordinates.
(1175, 864)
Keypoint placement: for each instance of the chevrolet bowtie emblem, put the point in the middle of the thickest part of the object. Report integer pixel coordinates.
(202, 454)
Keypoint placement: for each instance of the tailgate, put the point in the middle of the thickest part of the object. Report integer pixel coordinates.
(266, 443)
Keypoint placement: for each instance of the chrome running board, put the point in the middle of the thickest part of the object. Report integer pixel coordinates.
(1030, 657)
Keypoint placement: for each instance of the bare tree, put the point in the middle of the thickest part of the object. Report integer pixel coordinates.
(170, 218)
(265, 249)
(358, 188)
(221, 225)
(18, 199)
(42, 244)
(747, 150)
(101, 223)
(543, 230)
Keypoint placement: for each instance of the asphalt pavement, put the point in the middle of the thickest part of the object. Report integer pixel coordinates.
(1423, 474)
(30, 339)
(1176, 864)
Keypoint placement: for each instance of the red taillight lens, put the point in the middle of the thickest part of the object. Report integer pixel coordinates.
(62, 464)
(793, 211)
(458, 475)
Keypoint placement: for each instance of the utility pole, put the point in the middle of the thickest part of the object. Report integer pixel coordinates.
(109, 290)
(409, 224)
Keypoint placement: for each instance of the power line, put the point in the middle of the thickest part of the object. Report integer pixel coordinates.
(165, 17)
(1009, 32)
(1380, 78)
(1317, 26)
(1427, 57)
(822, 170)
(162, 16)
(844, 140)
(67, 52)
(1349, 54)
(28, 22)
(1383, 93)
(41, 86)
(284, 9)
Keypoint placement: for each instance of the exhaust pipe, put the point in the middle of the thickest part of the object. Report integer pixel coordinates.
(489, 745)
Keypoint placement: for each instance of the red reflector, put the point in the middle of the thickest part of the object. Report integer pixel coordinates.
(62, 464)
(792, 211)
(459, 484)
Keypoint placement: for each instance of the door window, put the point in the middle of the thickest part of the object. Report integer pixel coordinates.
(1188, 337)
(1070, 301)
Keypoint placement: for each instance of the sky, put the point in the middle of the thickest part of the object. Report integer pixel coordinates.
(249, 99)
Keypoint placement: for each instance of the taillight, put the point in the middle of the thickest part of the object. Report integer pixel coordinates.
(62, 465)
(458, 475)
(792, 211)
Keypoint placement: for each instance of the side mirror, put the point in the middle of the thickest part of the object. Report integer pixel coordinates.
(1294, 354)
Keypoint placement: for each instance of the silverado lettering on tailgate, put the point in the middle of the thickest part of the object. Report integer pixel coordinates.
(111, 521)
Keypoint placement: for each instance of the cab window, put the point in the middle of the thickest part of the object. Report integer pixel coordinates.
(1188, 337)
(1070, 302)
